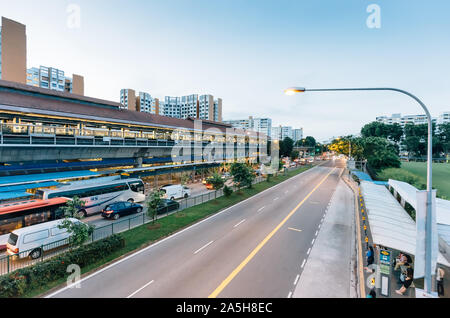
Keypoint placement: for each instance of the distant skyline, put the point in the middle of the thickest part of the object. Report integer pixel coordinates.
(247, 52)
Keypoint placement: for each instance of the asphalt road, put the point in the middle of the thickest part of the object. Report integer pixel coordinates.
(256, 248)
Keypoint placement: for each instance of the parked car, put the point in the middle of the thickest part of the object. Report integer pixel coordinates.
(167, 206)
(32, 241)
(116, 210)
(176, 191)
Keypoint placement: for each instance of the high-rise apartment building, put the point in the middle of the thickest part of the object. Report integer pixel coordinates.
(403, 120)
(261, 125)
(444, 118)
(281, 132)
(145, 103)
(13, 51)
(298, 134)
(218, 110)
(189, 106)
(55, 79)
(128, 99)
(206, 107)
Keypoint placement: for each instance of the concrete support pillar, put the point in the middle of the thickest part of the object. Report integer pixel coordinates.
(403, 202)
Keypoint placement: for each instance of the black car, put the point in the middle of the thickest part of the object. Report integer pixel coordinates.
(167, 205)
(118, 209)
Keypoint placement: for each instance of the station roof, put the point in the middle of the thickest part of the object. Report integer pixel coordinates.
(24, 187)
(14, 195)
(29, 99)
(390, 224)
(45, 177)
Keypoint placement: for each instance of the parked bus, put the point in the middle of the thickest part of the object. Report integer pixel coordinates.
(15, 215)
(97, 194)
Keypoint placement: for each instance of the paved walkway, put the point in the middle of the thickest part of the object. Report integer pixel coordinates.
(328, 270)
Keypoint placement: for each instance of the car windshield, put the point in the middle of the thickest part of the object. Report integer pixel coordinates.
(12, 239)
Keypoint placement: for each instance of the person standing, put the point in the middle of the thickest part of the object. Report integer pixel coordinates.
(440, 281)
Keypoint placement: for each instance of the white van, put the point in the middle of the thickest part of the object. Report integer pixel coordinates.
(32, 241)
(176, 191)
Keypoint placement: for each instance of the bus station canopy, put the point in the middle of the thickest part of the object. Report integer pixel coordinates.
(44, 177)
(390, 225)
(13, 195)
(24, 187)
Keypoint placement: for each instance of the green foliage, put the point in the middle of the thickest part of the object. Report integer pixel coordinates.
(79, 232)
(26, 279)
(309, 141)
(286, 147)
(153, 202)
(72, 208)
(227, 191)
(242, 175)
(376, 129)
(295, 154)
(185, 177)
(401, 175)
(216, 181)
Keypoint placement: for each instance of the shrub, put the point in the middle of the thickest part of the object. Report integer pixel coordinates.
(227, 191)
(401, 175)
(26, 279)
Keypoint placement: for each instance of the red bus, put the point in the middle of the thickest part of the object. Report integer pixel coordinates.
(15, 215)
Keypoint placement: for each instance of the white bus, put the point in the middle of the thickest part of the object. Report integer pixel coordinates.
(97, 194)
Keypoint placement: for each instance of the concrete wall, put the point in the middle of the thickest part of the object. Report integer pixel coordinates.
(24, 154)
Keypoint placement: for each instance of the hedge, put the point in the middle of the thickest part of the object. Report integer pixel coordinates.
(29, 278)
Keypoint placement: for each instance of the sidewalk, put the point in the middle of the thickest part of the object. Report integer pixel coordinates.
(328, 270)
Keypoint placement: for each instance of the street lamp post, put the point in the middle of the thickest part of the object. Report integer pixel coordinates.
(428, 221)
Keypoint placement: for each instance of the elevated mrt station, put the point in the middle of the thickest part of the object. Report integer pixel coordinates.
(44, 131)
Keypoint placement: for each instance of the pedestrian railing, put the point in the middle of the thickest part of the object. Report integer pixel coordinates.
(10, 263)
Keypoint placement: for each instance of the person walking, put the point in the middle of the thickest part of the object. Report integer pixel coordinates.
(408, 281)
(440, 281)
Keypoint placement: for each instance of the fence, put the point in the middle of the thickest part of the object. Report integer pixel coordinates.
(10, 263)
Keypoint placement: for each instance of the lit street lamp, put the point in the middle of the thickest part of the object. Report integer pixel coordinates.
(428, 221)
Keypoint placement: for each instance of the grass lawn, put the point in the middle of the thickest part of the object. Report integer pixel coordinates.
(142, 236)
(441, 175)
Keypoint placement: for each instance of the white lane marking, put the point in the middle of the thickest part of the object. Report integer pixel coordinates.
(200, 249)
(312, 243)
(261, 209)
(303, 264)
(317, 232)
(240, 223)
(320, 225)
(275, 199)
(307, 172)
(309, 251)
(137, 291)
(289, 295)
(296, 279)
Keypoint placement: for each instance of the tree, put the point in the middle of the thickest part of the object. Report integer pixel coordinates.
(216, 181)
(392, 132)
(242, 175)
(153, 203)
(286, 147)
(295, 154)
(380, 153)
(79, 232)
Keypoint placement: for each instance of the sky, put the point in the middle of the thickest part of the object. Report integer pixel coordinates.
(248, 51)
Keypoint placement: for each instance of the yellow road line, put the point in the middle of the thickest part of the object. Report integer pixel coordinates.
(236, 271)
